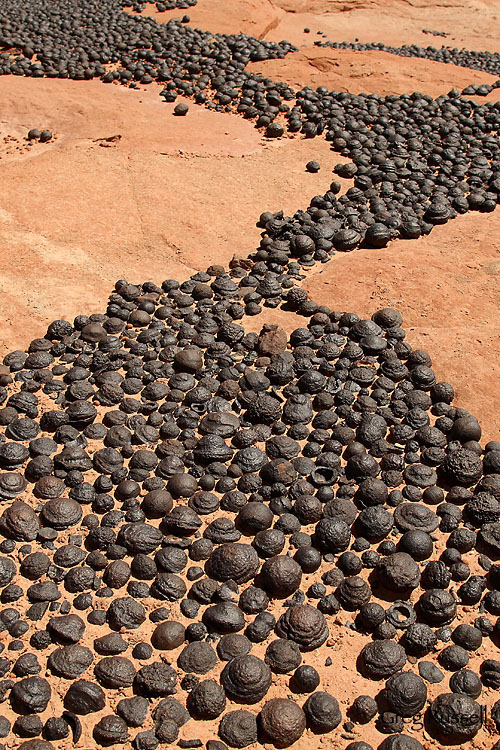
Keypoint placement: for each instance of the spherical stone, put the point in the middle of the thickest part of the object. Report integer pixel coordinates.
(363, 709)
(282, 656)
(168, 635)
(207, 700)
(7, 571)
(198, 657)
(19, 522)
(181, 109)
(322, 712)
(281, 576)
(225, 617)
(400, 742)
(382, 659)
(437, 607)
(406, 694)
(125, 613)
(133, 710)
(303, 624)
(238, 728)
(306, 679)
(110, 730)
(398, 572)
(333, 535)
(171, 709)
(115, 672)
(467, 682)
(463, 467)
(68, 628)
(283, 721)
(238, 562)
(70, 661)
(246, 679)
(31, 695)
(455, 717)
(156, 680)
(232, 645)
(274, 130)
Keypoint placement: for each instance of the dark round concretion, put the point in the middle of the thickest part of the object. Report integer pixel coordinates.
(198, 657)
(363, 709)
(304, 625)
(232, 645)
(84, 697)
(224, 617)
(455, 716)
(282, 721)
(281, 576)
(406, 694)
(400, 742)
(282, 656)
(238, 562)
(207, 700)
(467, 682)
(382, 659)
(168, 635)
(398, 572)
(238, 728)
(305, 679)
(246, 679)
(322, 712)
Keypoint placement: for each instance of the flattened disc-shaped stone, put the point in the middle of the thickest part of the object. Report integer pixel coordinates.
(19, 522)
(490, 535)
(409, 516)
(382, 659)
(70, 661)
(235, 561)
(61, 513)
(11, 485)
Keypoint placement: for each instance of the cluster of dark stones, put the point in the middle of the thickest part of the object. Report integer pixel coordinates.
(435, 33)
(200, 476)
(488, 62)
(77, 40)
(240, 489)
(42, 136)
(415, 161)
(161, 5)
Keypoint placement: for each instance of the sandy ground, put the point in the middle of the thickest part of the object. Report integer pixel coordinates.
(127, 190)
(167, 197)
